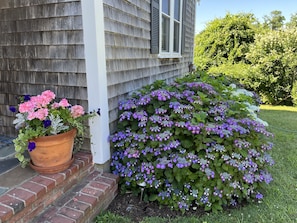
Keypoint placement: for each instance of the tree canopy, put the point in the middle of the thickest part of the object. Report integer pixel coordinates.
(293, 21)
(225, 40)
(262, 56)
(274, 65)
(275, 20)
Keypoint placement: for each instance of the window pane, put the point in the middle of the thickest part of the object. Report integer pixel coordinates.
(177, 10)
(166, 6)
(176, 37)
(165, 34)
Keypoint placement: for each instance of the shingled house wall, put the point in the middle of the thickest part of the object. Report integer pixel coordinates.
(42, 47)
(130, 64)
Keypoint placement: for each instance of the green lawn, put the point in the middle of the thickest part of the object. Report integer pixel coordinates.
(280, 202)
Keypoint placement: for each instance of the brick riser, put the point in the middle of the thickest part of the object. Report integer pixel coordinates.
(76, 195)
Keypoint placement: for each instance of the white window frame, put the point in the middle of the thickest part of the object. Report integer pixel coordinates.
(171, 53)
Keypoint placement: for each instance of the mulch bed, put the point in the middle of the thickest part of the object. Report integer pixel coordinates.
(132, 207)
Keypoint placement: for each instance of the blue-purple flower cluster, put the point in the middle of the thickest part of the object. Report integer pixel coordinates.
(182, 142)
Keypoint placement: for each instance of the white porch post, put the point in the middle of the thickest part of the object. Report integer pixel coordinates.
(94, 43)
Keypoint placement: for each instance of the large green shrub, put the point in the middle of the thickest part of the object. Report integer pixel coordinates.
(194, 143)
(274, 66)
(225, 41)
(294, 93)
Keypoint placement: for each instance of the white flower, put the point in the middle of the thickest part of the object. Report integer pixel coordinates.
(142, 184)
(242, 91)
(261, 121)
(232, 86)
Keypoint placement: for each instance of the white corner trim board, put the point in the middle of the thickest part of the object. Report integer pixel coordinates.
(94, 44)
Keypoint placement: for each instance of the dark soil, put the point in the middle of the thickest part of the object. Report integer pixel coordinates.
(130, 206)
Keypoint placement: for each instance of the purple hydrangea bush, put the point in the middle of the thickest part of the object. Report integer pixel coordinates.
(195, 143)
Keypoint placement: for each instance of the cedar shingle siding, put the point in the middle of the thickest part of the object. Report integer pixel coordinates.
(41, 47)
(130, 64)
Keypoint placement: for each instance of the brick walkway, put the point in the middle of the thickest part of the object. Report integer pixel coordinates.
(75, 195)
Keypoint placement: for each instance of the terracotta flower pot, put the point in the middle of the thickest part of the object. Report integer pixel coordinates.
(53, 154)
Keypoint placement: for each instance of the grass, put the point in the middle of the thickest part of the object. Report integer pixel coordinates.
(280, 202)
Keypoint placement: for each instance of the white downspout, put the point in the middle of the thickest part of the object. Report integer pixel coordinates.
(94, 44)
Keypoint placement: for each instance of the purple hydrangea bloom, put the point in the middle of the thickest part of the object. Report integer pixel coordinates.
(259, 196)
(186, 131)
(161, 94)
(144, 100)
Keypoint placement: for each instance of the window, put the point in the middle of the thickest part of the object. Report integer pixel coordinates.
(166, 28)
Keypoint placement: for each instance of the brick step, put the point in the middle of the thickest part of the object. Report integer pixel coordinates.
(74, 195)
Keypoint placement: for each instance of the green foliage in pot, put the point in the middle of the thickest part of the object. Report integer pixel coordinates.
(41, 115)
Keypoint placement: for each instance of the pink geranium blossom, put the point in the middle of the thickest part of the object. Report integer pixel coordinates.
(38, 101)
(27, 106)
(41, 101)
(64, 103)
(49, 95)
(55, 105)
(31, 115)
(77, 111)
(40, 114)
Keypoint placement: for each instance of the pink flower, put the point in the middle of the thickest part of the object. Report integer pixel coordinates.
(77, 111)
(49, 95)
(42, 100)
(27, 106)
(55, 105)
(39, 101)
(45, 98)
(40, 114)
(64, 103)
(31, 116)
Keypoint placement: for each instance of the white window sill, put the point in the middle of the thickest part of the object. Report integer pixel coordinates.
(169, 56)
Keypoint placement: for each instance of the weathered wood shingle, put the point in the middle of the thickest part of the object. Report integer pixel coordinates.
(41, 47)
(130, 64)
